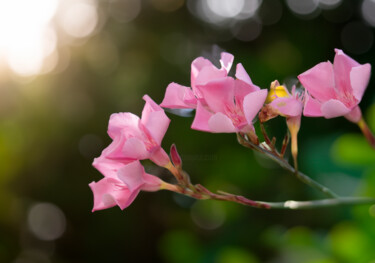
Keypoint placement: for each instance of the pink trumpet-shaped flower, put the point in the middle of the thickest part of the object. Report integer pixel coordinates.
(284, 103)
(231, 106)
(202, 72)
(138, 139)
(288, 105)
(122, 185)
(335, 90)
(222, 103)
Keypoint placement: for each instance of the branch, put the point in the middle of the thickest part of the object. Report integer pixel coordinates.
(321, 203)
(283, 163)
(203, 193)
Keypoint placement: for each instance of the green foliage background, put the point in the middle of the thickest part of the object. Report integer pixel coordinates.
(52, 127)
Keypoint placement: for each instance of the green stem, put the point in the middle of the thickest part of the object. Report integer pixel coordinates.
(367, 132)
(283, 163)
(320, 203)
(203, 193)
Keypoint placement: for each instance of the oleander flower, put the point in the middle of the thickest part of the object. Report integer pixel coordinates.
(281, 102)
(138, 139)
(231, 106)
(289, 105)
(222, 103)
(122, 185)
(335, 90)
(202, 72)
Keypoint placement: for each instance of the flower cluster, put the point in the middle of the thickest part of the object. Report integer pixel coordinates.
(134, 139)
(223, 104)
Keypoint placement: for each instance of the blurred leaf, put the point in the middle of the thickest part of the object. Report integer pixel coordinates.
(353, 149)
(179, 246)
(370, 117)
(368, 185)
(300, 236)
(236, 255)
(324, 260)
(350, 244)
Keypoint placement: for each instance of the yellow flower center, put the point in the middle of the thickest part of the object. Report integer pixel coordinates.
(277, 92)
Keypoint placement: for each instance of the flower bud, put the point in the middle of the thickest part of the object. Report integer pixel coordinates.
(176, 159)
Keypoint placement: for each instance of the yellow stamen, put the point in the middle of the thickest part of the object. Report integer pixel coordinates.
(277, 91)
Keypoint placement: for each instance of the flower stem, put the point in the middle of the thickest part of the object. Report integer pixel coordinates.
(185, 187)
(203, 193)
(285, 144)
(321, 203)
(367, 132)
(283, 163)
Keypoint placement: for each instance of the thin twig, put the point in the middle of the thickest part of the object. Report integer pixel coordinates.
(321, 203)
(285, 144)
(203, 193)
(283, 163)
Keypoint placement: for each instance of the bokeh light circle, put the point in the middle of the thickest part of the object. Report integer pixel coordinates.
(226, 8)
(368, 11)
(357, 38)
(46, 221)
(303, 7)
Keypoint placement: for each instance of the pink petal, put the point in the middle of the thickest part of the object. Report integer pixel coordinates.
(114, 150)
(178, 97)
(219, 94)
(226, 61)
(207, 74)
(131, 175)
(288, 107)
(118, 122)
(135, 149)
(241, 74)
(354, 115)
(202, 115)
(154, 119)
(359, 79)
(157, 125)
(319, 81)
(151, 183)
(107, 167)
(312, 107)
(221, 123)
(108, 192)
(159, 157)
(196, 66)
(334, 108)
(342, 66)
(252, 104)
(241, 89)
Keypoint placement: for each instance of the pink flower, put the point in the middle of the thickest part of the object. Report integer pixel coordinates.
(288, 105)
(202, 72)
(222, 103)
(122, 184)
(138, 139)
(231, 106)
(335, 90)
(283, 102)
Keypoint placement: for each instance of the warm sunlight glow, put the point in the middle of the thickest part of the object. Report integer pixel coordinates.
(79, 19)
(25, 35)
(28, 33)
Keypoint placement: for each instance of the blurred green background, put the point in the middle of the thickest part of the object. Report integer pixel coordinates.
(66, 65)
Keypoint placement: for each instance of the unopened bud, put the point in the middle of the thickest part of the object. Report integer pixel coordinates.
(176, 159)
